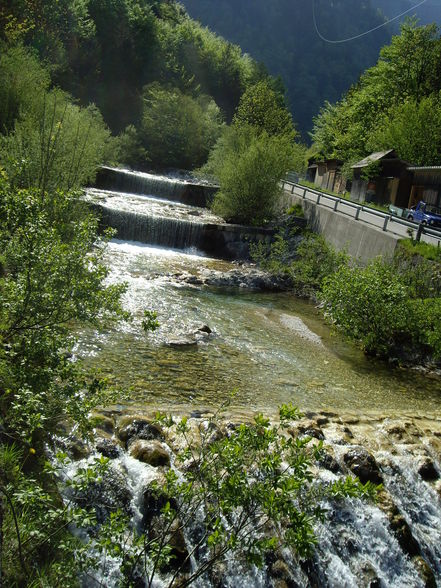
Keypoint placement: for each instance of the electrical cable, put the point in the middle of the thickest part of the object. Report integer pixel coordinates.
(366, 32)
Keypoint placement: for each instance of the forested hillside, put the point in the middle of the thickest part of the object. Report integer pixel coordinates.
(141, 62)
(282, 35)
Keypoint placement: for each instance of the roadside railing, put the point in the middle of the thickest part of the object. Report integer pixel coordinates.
(382, 220)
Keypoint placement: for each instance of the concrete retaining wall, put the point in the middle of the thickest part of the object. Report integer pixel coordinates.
(360, 240)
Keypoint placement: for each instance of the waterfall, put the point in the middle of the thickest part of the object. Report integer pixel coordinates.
(176, 189)
(356, 545)
(174, 233)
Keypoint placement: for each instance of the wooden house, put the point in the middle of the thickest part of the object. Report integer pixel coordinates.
(326, 175)
(391, 185)
(426, 185)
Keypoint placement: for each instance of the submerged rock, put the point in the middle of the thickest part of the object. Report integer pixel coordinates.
(182, 342)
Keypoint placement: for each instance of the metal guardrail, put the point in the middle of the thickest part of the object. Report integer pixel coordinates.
(382, 220)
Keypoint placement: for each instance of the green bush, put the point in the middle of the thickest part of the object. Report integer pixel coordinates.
(371, 305)
(57, 145)
(248, 165)
(315, 261)
(129, 149)
(23, 81)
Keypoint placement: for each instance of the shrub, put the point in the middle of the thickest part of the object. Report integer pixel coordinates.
(248, 164)
(370, 305)
(315, 261)
(58, 145)
(129, 149)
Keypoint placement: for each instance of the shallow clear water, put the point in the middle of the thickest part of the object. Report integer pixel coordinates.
(269, 348)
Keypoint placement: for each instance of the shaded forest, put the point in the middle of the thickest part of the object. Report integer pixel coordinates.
(282, 35)
(426, 13)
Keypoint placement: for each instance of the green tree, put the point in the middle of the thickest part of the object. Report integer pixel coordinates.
(178, 130)
(413, 129)
(406, 71)
(56, 144)
(262, 107)
(23, 81)
(249, 164)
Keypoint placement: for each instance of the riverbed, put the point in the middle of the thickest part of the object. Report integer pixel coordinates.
(262, 349)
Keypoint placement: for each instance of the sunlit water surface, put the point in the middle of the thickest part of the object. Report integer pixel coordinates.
(269, 348)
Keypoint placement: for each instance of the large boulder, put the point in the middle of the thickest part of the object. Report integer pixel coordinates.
(363, 465)
(150, 452)
(131, 430)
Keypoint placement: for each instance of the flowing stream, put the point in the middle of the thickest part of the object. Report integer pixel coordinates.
(219, 339)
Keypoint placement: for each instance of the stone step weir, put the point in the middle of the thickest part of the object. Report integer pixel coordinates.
(187, 191)
(224, 241)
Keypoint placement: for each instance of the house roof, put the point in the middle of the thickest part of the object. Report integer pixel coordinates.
(371, 158)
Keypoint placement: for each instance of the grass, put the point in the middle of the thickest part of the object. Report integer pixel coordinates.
(425, 250)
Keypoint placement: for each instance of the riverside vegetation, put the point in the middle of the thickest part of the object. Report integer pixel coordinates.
(391, 307)
(395, 103)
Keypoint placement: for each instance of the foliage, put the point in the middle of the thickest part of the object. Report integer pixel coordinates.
(391, 307)
(368, 304)
(56, 145)
(406, 72)
(305, 259)
(260, 106)
(420, 248)
(414, 130)
(371, 170)
(176, 129)
(106, 51)
(49, 278)
(315, 261)
(129, 149)
(38, 547)
(24, 80)
(250, 491)
(248, 165)
(419, 267)
(388, 311)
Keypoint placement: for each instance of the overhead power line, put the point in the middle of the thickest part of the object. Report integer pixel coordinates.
(361, 34)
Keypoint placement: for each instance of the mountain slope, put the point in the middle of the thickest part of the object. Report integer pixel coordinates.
(281, 34)
(427, 13)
